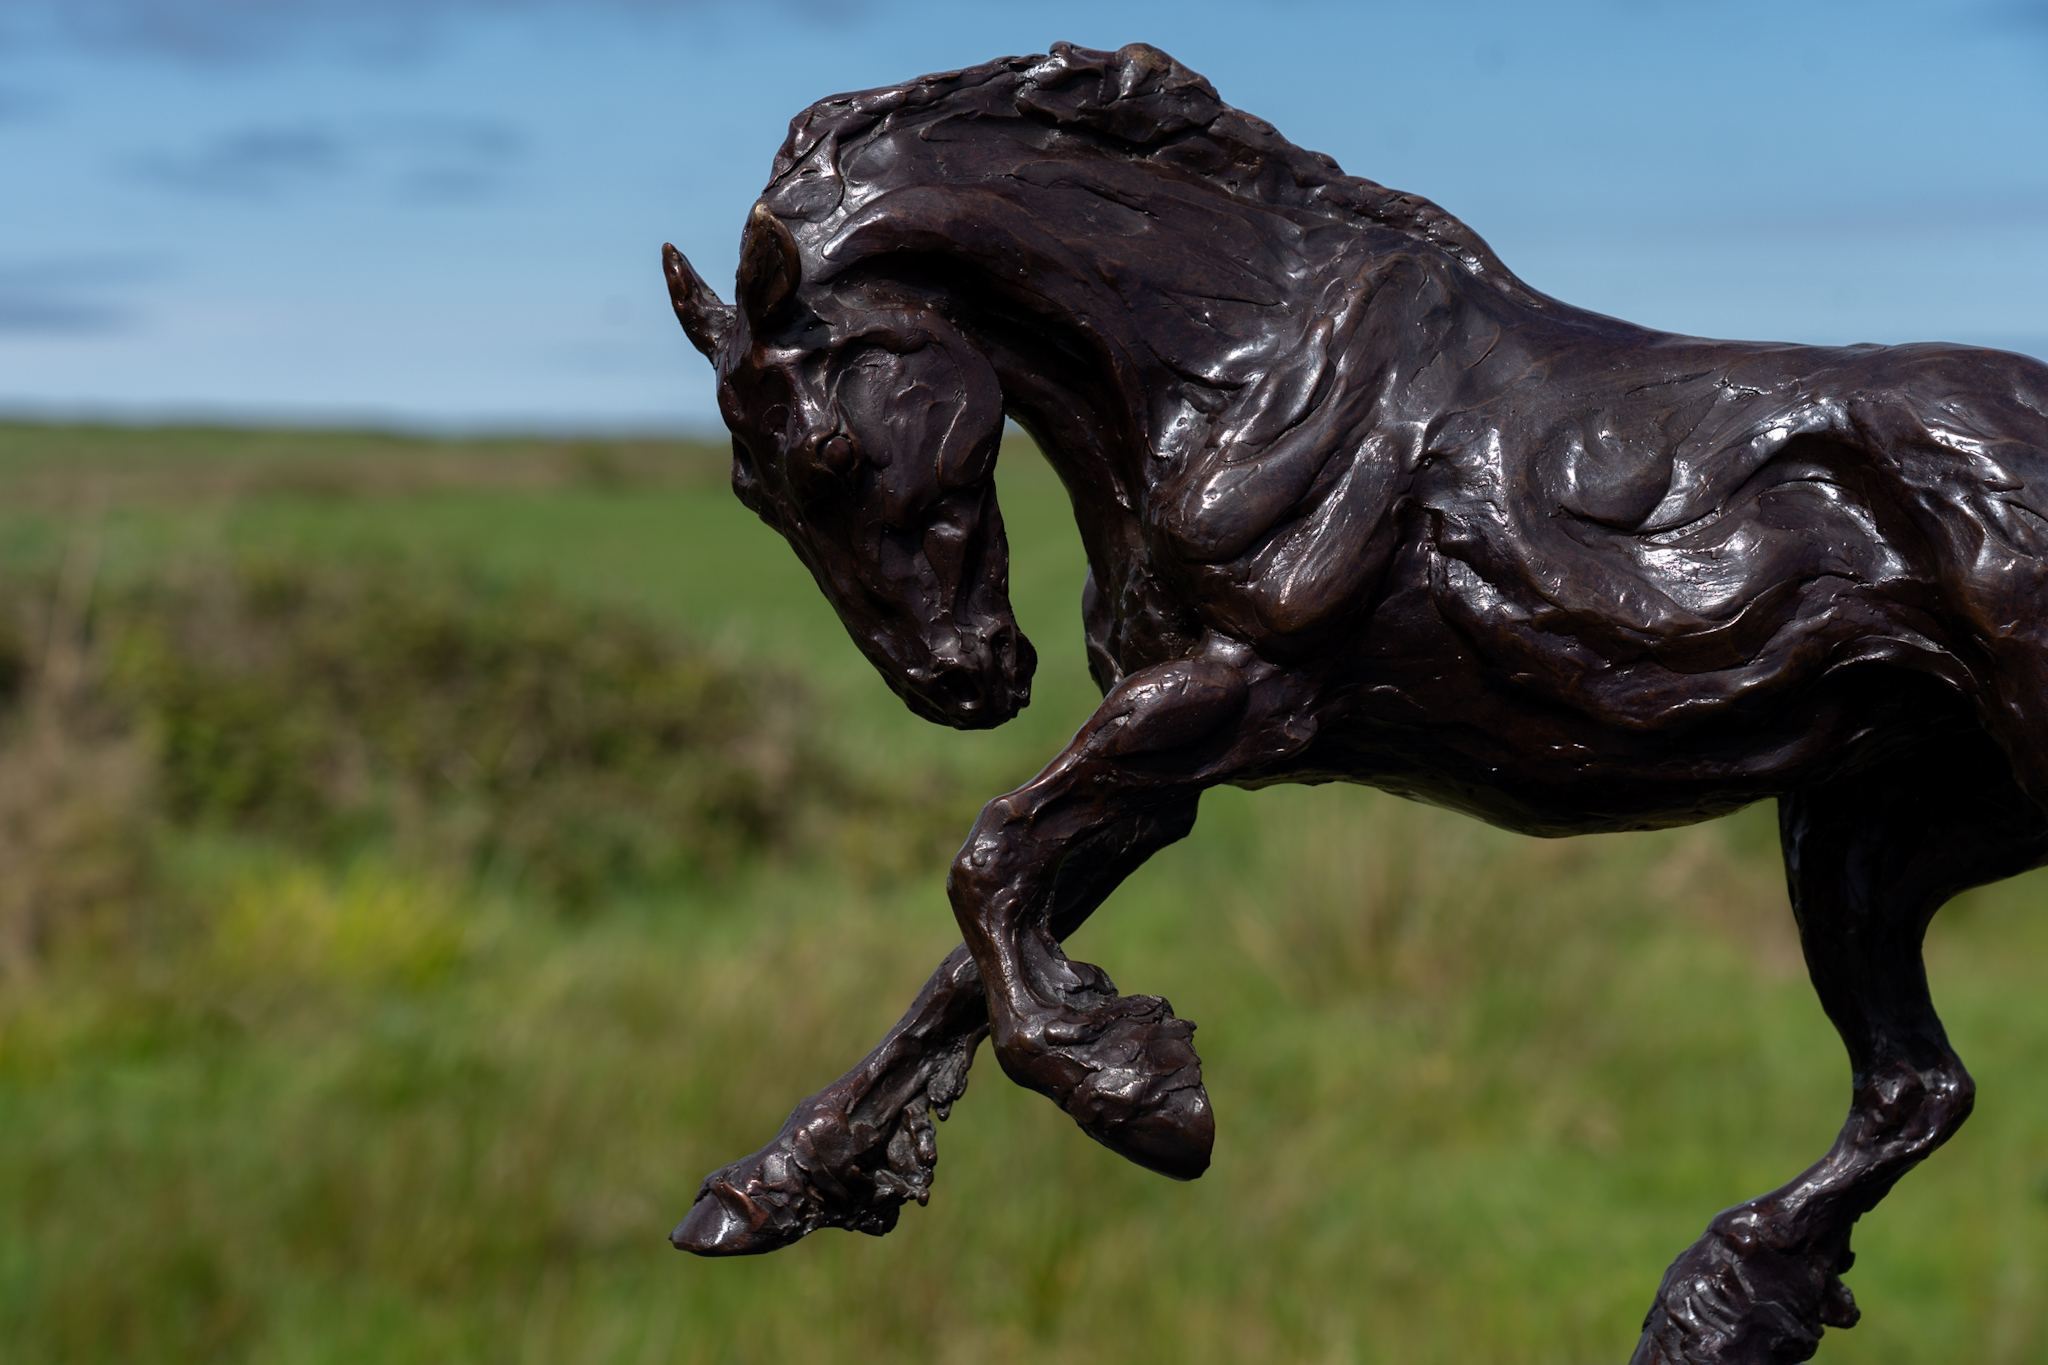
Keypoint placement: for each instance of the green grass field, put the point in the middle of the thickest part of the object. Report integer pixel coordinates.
(1473, 1091)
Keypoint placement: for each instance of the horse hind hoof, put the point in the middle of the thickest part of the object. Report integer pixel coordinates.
(728, 1220)
(739, 1216)
(1135, 1085)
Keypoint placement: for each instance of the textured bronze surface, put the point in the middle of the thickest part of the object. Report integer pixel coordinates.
(1359, 505)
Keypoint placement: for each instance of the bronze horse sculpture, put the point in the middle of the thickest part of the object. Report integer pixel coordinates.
(1361, 506)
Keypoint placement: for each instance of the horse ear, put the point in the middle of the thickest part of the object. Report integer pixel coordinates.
(707, 321)
(769, 268)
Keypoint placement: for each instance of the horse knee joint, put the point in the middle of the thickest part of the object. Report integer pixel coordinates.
(1174, 705)
(979, 869)
(970, 874)
(1953, 1094)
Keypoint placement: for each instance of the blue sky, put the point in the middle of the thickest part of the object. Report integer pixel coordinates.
(446, 213)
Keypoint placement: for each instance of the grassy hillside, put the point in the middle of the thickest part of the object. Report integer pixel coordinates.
(273, 1093)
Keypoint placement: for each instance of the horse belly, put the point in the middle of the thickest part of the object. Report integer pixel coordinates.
(1413, 710)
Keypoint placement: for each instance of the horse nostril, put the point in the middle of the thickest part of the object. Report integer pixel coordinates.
(961, 688)
(1003, 644)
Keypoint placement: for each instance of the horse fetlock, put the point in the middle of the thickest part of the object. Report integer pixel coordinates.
(1754, 1227)
(1127, 1073)
(1050, 979)
(1769, 1225)
(1084, 990)
(1901, 1114)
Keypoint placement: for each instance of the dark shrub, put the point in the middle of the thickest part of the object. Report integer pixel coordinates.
(572, 748)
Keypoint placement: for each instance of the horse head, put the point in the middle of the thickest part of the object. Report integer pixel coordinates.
(867, 437)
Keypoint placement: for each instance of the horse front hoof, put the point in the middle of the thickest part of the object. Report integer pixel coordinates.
(1736, 1297)
(1127, 1073)
(1173, 1134)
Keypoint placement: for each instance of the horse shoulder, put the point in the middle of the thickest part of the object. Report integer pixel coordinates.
(1285, 514)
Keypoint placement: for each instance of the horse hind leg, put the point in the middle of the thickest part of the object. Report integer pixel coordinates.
(1869, 859)
(853, 1154)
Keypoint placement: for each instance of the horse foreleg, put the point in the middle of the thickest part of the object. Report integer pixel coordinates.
(1122, 1066)
(853, 1154)
(1869, 860)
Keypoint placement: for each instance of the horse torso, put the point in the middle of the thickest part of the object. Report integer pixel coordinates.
(1522, 549)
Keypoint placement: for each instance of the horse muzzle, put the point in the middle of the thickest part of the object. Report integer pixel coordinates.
(972, 683)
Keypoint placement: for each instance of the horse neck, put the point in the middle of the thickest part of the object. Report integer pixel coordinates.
(1085, 436)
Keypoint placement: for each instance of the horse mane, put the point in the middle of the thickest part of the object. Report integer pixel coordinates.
(1159, 111)
(1245, 439)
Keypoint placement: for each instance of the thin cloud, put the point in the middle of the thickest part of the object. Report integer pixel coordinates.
(227, 31)
(17, 105)
(67, 296)
(442, 160)
(224, 31)
(2022, 14)
(1931, 218)
(44, 312)
(426, 159)
(2022, 22)
(249, 163)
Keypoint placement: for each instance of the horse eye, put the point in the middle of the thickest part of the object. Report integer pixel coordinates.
(837, 454)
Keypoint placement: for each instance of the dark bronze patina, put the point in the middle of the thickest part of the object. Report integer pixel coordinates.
(1361, 506)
